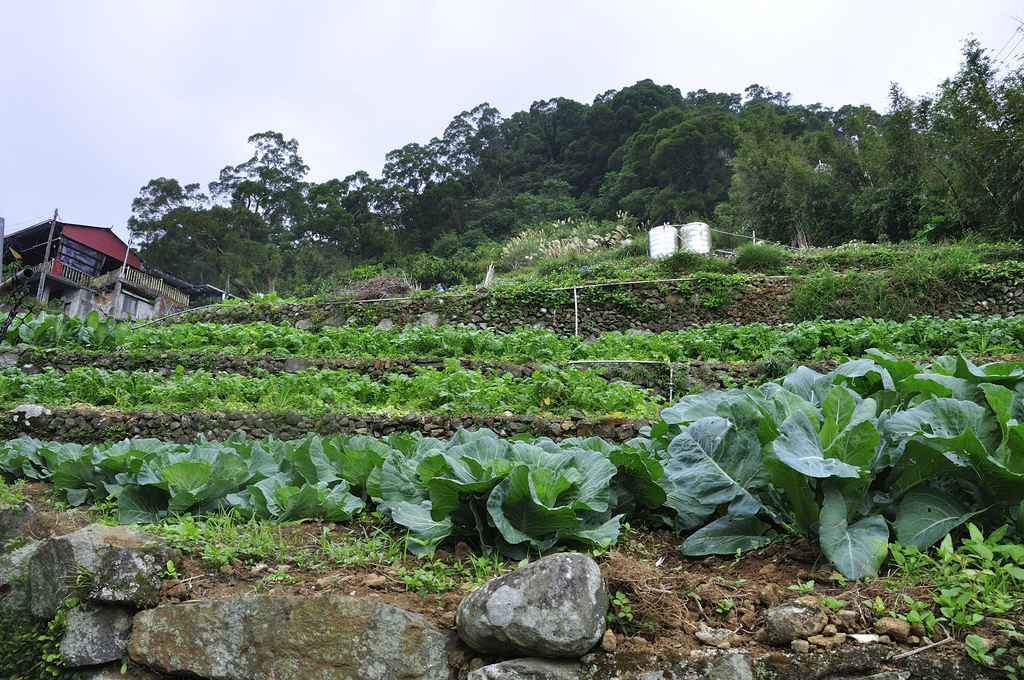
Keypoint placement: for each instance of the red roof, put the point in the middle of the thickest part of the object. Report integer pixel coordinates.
(103, 240)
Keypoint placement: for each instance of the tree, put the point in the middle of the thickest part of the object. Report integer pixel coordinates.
(976, 134)
(270, 184)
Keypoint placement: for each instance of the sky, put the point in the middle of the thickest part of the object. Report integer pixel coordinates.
(98, 97)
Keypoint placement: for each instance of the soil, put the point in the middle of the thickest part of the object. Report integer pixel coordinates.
(665, 598)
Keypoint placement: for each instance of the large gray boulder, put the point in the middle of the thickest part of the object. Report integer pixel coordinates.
(289, 638)
(554, 607)
(116, 565)
(96, 634)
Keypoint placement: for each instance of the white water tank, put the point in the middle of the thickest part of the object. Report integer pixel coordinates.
(662, 240)
(696, 237)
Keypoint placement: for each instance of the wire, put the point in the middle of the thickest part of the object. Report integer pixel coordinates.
(37, 220)
(1000, 52)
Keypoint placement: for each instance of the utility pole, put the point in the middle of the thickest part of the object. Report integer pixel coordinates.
(117, 298)
(46, 258)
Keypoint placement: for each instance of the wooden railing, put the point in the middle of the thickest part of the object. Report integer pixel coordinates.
(144, 280)
(58, 268)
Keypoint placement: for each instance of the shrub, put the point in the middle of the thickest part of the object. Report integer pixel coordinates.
(762, 258)
(685, 262)
(429, 271)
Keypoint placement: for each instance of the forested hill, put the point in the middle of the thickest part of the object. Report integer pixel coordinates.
(945, 163)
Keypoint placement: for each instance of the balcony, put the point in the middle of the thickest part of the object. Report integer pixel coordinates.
(61, 270)
(134, 277)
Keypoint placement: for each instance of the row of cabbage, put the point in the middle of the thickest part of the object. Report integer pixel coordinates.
(449, 390)
(877, 450)
(810, 340)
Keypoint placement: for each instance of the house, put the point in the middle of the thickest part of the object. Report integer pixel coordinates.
(91, 268)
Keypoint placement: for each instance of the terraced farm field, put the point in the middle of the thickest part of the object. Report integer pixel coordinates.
(714, 471)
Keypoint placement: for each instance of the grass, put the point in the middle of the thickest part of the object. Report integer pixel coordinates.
(223, 538)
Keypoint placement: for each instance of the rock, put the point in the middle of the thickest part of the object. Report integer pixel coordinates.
(716, 637)
(853, 661)
(75, 565)
(289, 638)
(828, 642)
(96, 635)
(14, 522)
(800, 646)
(297, 364)
(375, 581)
(14, 572)
(554, 607)
(793, 620)
(896, 629)
(732, 667)
(129, 577)
(608, 641)
(530, 669)
(113, 672)
(9, 359)
(429, 319)
(32, 415)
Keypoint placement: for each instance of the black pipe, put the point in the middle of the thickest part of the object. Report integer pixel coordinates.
(22, 276)
(5, 588)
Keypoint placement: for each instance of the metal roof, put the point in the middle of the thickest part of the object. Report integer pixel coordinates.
(102, 239)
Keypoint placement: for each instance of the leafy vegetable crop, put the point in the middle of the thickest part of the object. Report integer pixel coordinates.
(876, 450)
(518, 495)
(808, 340)
(875, 447)
(919, 336)
(59, 330)
(426, 390)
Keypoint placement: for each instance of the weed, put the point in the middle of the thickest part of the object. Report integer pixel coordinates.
(621, 612)
(13, 494)
(978, 579)
(430, 577)
(833, 603)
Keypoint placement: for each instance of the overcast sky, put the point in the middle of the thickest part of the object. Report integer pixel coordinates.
(99, 97)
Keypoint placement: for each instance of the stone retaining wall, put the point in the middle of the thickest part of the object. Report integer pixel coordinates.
(652, 306)
(94, 426)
